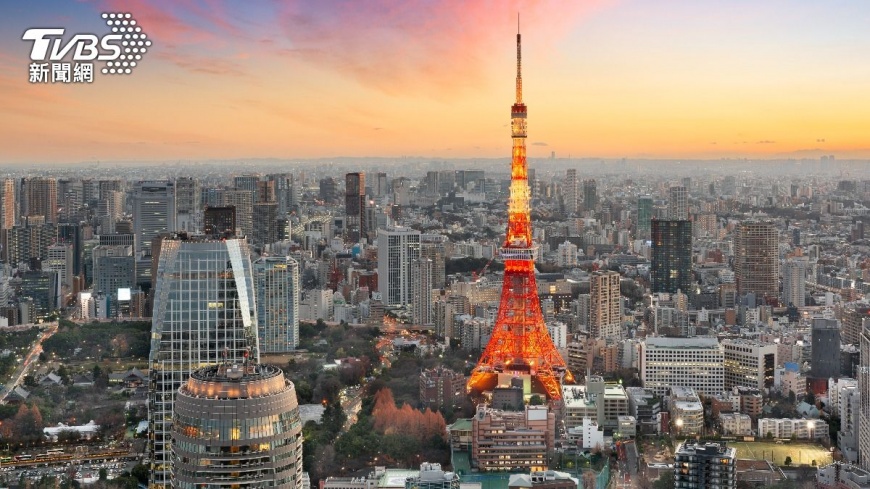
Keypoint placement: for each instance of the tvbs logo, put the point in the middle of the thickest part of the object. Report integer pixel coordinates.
(122, 50)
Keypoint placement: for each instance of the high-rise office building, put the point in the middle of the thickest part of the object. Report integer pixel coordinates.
(756, 258)
(204, 313)
(219, 222)
(153, 212)
(354, 205)
(265, 223)
(237, 426)
(60, 260)
(249, 183)
(864, 387)
(27, 242)
(114, 268)
(671, 267)
(276, 281)
(381, 189)
(39, 198)
(285, 191)
(44, 289)
(678, 204)
(697, 363)
(825, 348)
(644, 215)
(328, 190)
(110, 210)
(605, 312)
(705, 465)
(433, 247)
(856, 317)
(398, 247)
(7, 203)
(749, 363)
(187, 204)
(794, 278)
(422, 283)
(71, 233)
(570, 191)
(243, 201)
(590, 194)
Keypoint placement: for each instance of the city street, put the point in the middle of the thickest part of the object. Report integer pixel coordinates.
(22, 369)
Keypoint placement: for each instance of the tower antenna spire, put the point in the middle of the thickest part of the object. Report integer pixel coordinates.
(519, 64)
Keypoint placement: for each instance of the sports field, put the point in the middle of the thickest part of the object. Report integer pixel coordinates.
(800, 453)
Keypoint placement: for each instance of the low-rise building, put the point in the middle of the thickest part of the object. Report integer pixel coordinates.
(509, 441)
(441, 387)
(839, 475)
(645, 406)
(432, 477)
(546, 479)
(736, 424)
(602, 402)
(802, 429)
(687, 412)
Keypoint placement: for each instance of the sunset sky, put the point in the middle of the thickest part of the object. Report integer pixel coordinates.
(320, 79)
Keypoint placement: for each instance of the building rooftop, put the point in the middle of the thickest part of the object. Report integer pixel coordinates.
(711, 449)
(671, 343)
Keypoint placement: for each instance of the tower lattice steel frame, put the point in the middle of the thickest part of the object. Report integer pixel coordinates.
(520, 342)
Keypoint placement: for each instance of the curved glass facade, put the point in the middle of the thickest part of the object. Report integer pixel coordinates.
(252, 440)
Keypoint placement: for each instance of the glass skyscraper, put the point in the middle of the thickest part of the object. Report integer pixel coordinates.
(204, 313)
(671, 268)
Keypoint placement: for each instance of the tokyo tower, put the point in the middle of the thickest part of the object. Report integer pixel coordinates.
(520, 343)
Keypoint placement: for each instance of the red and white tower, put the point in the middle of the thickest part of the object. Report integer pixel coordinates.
(520, 343)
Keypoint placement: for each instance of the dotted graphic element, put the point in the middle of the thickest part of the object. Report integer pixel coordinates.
(134, 42)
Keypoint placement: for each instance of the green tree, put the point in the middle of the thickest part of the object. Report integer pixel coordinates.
(103, 474)
(536, 400)
(140, 472)
(787, 461)
(665, 480)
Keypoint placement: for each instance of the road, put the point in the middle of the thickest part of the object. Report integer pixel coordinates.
(351, 407)
(22, 369)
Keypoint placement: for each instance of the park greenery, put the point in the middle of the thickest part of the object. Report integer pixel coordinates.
(100, 340)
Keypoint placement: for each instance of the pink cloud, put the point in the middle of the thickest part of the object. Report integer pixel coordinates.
(434, 46)
(438, 46)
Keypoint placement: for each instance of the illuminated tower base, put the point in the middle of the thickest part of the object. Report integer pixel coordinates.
(520, 343)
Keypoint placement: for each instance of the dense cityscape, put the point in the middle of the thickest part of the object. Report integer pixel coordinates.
(545, 322)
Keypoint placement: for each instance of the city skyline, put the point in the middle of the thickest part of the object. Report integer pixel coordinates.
(607, 79)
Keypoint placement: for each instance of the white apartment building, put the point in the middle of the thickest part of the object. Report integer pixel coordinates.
(566, 254)
(559, 334)
(802, 429)
(398, 247)
(848, 407)
(605, 311)
(697, 363)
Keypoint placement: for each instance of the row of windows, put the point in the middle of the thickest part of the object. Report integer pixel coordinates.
(237, 429)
